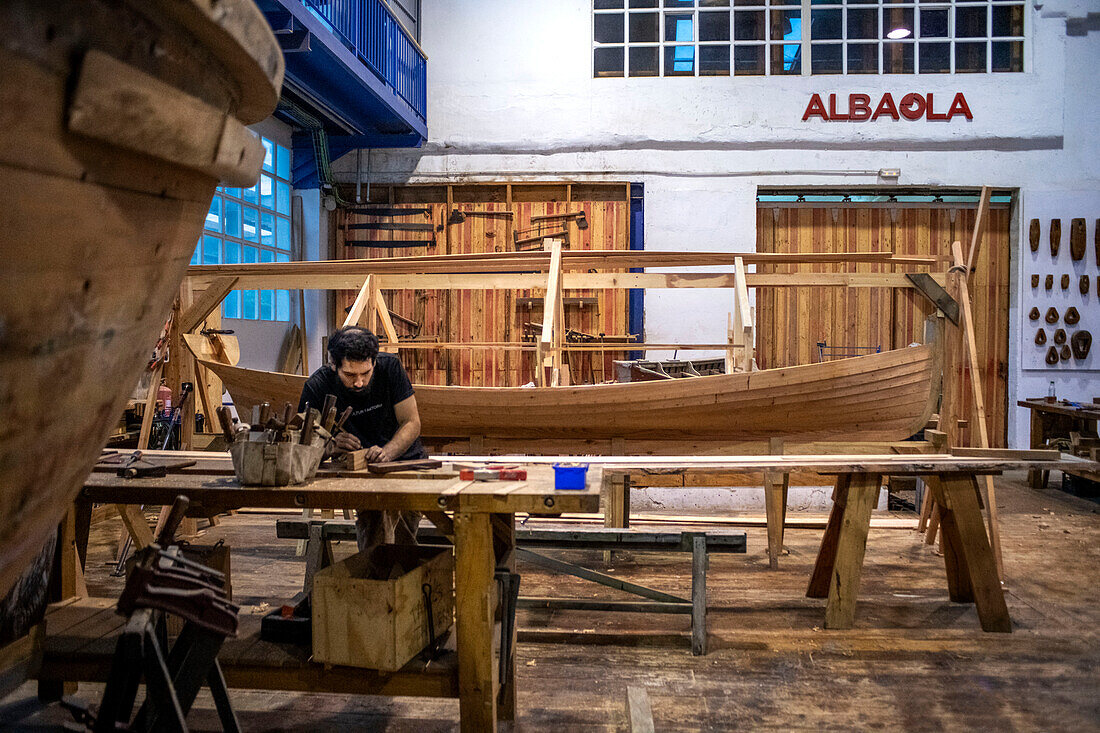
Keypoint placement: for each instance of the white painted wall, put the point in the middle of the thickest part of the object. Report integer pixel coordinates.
(511, 96)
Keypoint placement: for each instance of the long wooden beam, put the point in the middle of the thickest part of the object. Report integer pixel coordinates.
(539, 261)
(290, 280)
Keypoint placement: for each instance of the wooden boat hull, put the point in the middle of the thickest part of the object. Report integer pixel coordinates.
(96, 233)
(881, 397)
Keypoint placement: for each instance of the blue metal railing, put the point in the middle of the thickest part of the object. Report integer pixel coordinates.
(369, 30)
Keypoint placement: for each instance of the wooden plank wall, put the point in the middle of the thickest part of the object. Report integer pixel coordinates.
(790, 321)
(493, 315)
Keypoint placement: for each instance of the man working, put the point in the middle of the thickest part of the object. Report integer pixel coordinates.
(384, 419)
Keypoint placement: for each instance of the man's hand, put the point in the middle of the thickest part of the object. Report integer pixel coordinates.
(346, 442)
(380, 454)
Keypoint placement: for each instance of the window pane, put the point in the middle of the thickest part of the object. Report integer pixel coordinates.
(250, 224)
(250, 254)
(269, 155)
(232, 218)
(933, 23)
(248, 304)
(267, 228)
(282, 305)
(679, 60)
(679, 28)
(282, 203)
(251, 195)
(895, 20)
(714, 60)
(935, 58)
(970, 22)
(643, 3)
(211, 250)
(748, 25)
(643, 28)
(748, 60)
(231, 307)
(714, 3)
(1008, 20)
(786, 25)
(267, 255)
(786, 59)
(862, 58)
(609, 28)
(607, 61)
(214, 215)
(679, 3)
(826, 59)
(1008, 56)
(267, 305)
(267, 192)
(897, 58)
(283, 162)
(232, 252)
(714, 26)
(643, 62)
(233, 192)
(196, 256)
(282, 257)
(825, 24)
(608, 4)
(862, 23)
(970, 57)
(282, 227)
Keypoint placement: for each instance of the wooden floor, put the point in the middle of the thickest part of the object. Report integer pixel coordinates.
(914, 661)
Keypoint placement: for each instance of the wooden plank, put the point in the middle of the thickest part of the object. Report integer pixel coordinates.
(205, 304)
(475, 604)
(840, 610)
(362, 300)
(639, 713)
(776, 487)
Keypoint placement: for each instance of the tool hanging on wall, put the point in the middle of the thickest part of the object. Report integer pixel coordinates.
(458, 216)
(1033, 235)
(1055, 237)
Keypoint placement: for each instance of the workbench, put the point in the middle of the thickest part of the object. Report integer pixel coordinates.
(971, 571)
(1057, 420)
(478, 515)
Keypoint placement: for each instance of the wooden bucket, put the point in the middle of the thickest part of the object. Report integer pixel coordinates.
(119, 119)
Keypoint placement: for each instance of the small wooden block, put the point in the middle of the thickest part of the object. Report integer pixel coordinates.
(1055, 237)
(1077, 234)
(417, 464)
(1033, 235)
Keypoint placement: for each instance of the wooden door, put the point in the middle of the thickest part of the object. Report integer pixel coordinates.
(791, 321)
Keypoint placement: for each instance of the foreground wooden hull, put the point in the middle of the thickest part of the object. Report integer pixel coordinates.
(96, 235)
(880, 397)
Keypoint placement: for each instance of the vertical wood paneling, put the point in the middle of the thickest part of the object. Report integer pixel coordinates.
(791, 320)
(495, 315)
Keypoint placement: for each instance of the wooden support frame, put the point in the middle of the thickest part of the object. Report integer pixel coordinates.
(549, 351)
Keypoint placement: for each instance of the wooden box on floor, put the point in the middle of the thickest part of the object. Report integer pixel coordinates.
(370, 610)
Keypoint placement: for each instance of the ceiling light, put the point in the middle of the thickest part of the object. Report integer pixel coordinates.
(899, 33)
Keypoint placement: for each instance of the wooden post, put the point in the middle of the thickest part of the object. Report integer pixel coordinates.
(966, 326)
(743, 320)
(474, 613)
(362, 301)
(840, 611)
(776, 486)
(548, 352)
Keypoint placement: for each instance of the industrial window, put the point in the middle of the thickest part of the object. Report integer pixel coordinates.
(767, 37)
(252, 225)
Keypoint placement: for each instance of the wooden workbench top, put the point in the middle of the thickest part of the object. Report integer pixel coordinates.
(422, 491)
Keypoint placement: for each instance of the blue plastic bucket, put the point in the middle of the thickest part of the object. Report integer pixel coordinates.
(569, 477)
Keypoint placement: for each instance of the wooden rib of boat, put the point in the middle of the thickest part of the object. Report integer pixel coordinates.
(121, 117)
(886, 396)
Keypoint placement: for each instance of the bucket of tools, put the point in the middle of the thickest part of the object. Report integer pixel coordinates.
(277, 450)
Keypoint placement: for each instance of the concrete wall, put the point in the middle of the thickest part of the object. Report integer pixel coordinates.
(511, 96)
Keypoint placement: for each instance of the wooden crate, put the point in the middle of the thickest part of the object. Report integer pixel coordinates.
(369, 610)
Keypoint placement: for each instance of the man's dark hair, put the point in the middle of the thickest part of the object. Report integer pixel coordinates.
(354, 343)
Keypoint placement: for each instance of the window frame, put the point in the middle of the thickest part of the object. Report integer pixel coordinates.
(279, 214)
(991, 44)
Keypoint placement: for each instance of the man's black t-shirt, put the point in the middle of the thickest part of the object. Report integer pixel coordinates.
(372, 419)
